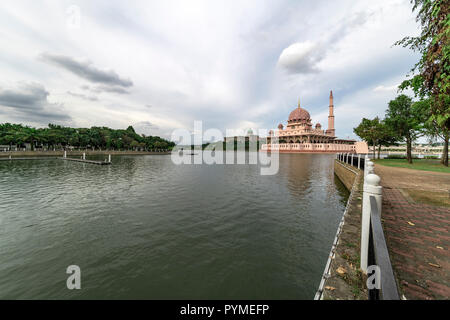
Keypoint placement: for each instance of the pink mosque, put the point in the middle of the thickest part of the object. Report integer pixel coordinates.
(300, 136)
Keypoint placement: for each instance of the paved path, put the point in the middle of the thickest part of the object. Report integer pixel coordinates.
(417, 234)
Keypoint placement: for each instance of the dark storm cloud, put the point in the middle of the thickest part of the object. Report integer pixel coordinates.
(86, 70)
(29, 102)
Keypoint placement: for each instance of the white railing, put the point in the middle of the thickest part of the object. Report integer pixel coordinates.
(375, 261)
(355, 160)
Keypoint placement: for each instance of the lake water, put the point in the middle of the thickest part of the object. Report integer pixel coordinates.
(146, 228)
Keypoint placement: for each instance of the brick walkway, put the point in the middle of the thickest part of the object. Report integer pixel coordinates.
(418, 240)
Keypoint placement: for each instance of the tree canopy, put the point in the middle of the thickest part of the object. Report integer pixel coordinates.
(406, 120)
(56, 136)
(376, 133)
(430, 78)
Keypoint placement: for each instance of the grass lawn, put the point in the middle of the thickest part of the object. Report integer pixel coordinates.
(418, 164)
(428, 197)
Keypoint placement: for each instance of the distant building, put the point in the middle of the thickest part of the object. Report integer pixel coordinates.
(300, 135)
(249, 137)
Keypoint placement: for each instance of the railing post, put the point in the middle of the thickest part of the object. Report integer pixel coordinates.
(370, 167)
(109, 158)
(84, 156)
(65, 154)
(371, 188)
(366, 158)
(359, 161)
(367, 166)
(352, 160)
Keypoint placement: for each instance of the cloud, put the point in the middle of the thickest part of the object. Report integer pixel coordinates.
(86, 70)
(145, 127)
(304, 57)
(301, 57)
(29, 101)
(382, 88)
(82, 96)
(250, 62)
(112, 89)
(105, 88)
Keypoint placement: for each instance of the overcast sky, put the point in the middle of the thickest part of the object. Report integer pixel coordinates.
(160, 65)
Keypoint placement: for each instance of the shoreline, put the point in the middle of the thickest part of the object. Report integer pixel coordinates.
(342, 278)
(60, 153)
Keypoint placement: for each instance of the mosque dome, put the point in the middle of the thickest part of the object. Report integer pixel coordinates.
(318, 126)
(280, 126)
(299, 114)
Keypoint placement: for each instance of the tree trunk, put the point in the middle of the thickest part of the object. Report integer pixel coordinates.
(444, 158)
(374, 146)
(408, 150)
(379, 150)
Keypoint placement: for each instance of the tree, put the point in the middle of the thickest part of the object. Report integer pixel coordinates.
(386, 136)
(95, 137)
(406, 120)
(370, 131)
(31, 135)
(431, 75)
(432, 130)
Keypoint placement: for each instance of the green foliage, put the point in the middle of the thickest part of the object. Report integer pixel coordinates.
(368, 130)
(406, 119)
(398, 156)
(419, 164)
(56, 136)
(431, 75)
(376, 133)
(431, 157)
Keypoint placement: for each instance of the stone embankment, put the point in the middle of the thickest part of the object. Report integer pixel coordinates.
(343, 279)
